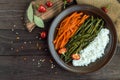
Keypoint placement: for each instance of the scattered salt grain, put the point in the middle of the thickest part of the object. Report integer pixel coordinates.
(52, 66)
(43, 60)
(16, 33)
(14, 26)
(39, 64)
(25, 42)
(33, 60)
(12, 29)
(17, 38)
(36, 37)
(11, 49)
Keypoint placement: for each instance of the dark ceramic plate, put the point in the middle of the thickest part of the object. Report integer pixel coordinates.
(109, 51)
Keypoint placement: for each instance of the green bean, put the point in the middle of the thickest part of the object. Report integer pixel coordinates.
(88, 26)
(78, 31)
(97, 24)
(68, 60)
(83, 36)
(101, 26)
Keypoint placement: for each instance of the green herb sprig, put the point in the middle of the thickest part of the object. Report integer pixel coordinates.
(33, 18)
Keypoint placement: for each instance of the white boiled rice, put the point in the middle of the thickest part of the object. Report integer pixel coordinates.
(94, 50)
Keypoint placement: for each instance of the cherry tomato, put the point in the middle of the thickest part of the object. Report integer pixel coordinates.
(49, 3)
(75, 56)
(69, 1)
(62, 50)
(43, 35)
(104, 9)
(41, 8)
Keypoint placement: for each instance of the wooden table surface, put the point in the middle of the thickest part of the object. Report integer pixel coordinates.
(23, 56)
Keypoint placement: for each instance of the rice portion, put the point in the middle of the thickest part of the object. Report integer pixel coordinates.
(94, 50)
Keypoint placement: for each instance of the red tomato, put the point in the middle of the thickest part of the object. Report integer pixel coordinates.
(62, 50)
(69, 1)
(49, 3)
(104, 9)
(43, 35)
(75, 56)
(41, 8)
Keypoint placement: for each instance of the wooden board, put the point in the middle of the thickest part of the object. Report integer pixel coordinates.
(25, 57)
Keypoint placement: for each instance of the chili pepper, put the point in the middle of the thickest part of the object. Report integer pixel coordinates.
(49, 3)
(75, 56)
(41, 8)
(62, 51)
(43, 35)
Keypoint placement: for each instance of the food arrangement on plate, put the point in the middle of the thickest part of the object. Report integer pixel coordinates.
(78, 37)
(82, 39)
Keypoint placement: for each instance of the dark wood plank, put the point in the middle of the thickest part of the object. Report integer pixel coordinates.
(39, 68)
(11, 14)
(21, 42)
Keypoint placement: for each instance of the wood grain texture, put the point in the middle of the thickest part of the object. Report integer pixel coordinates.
(15, 68)
(28, 57)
